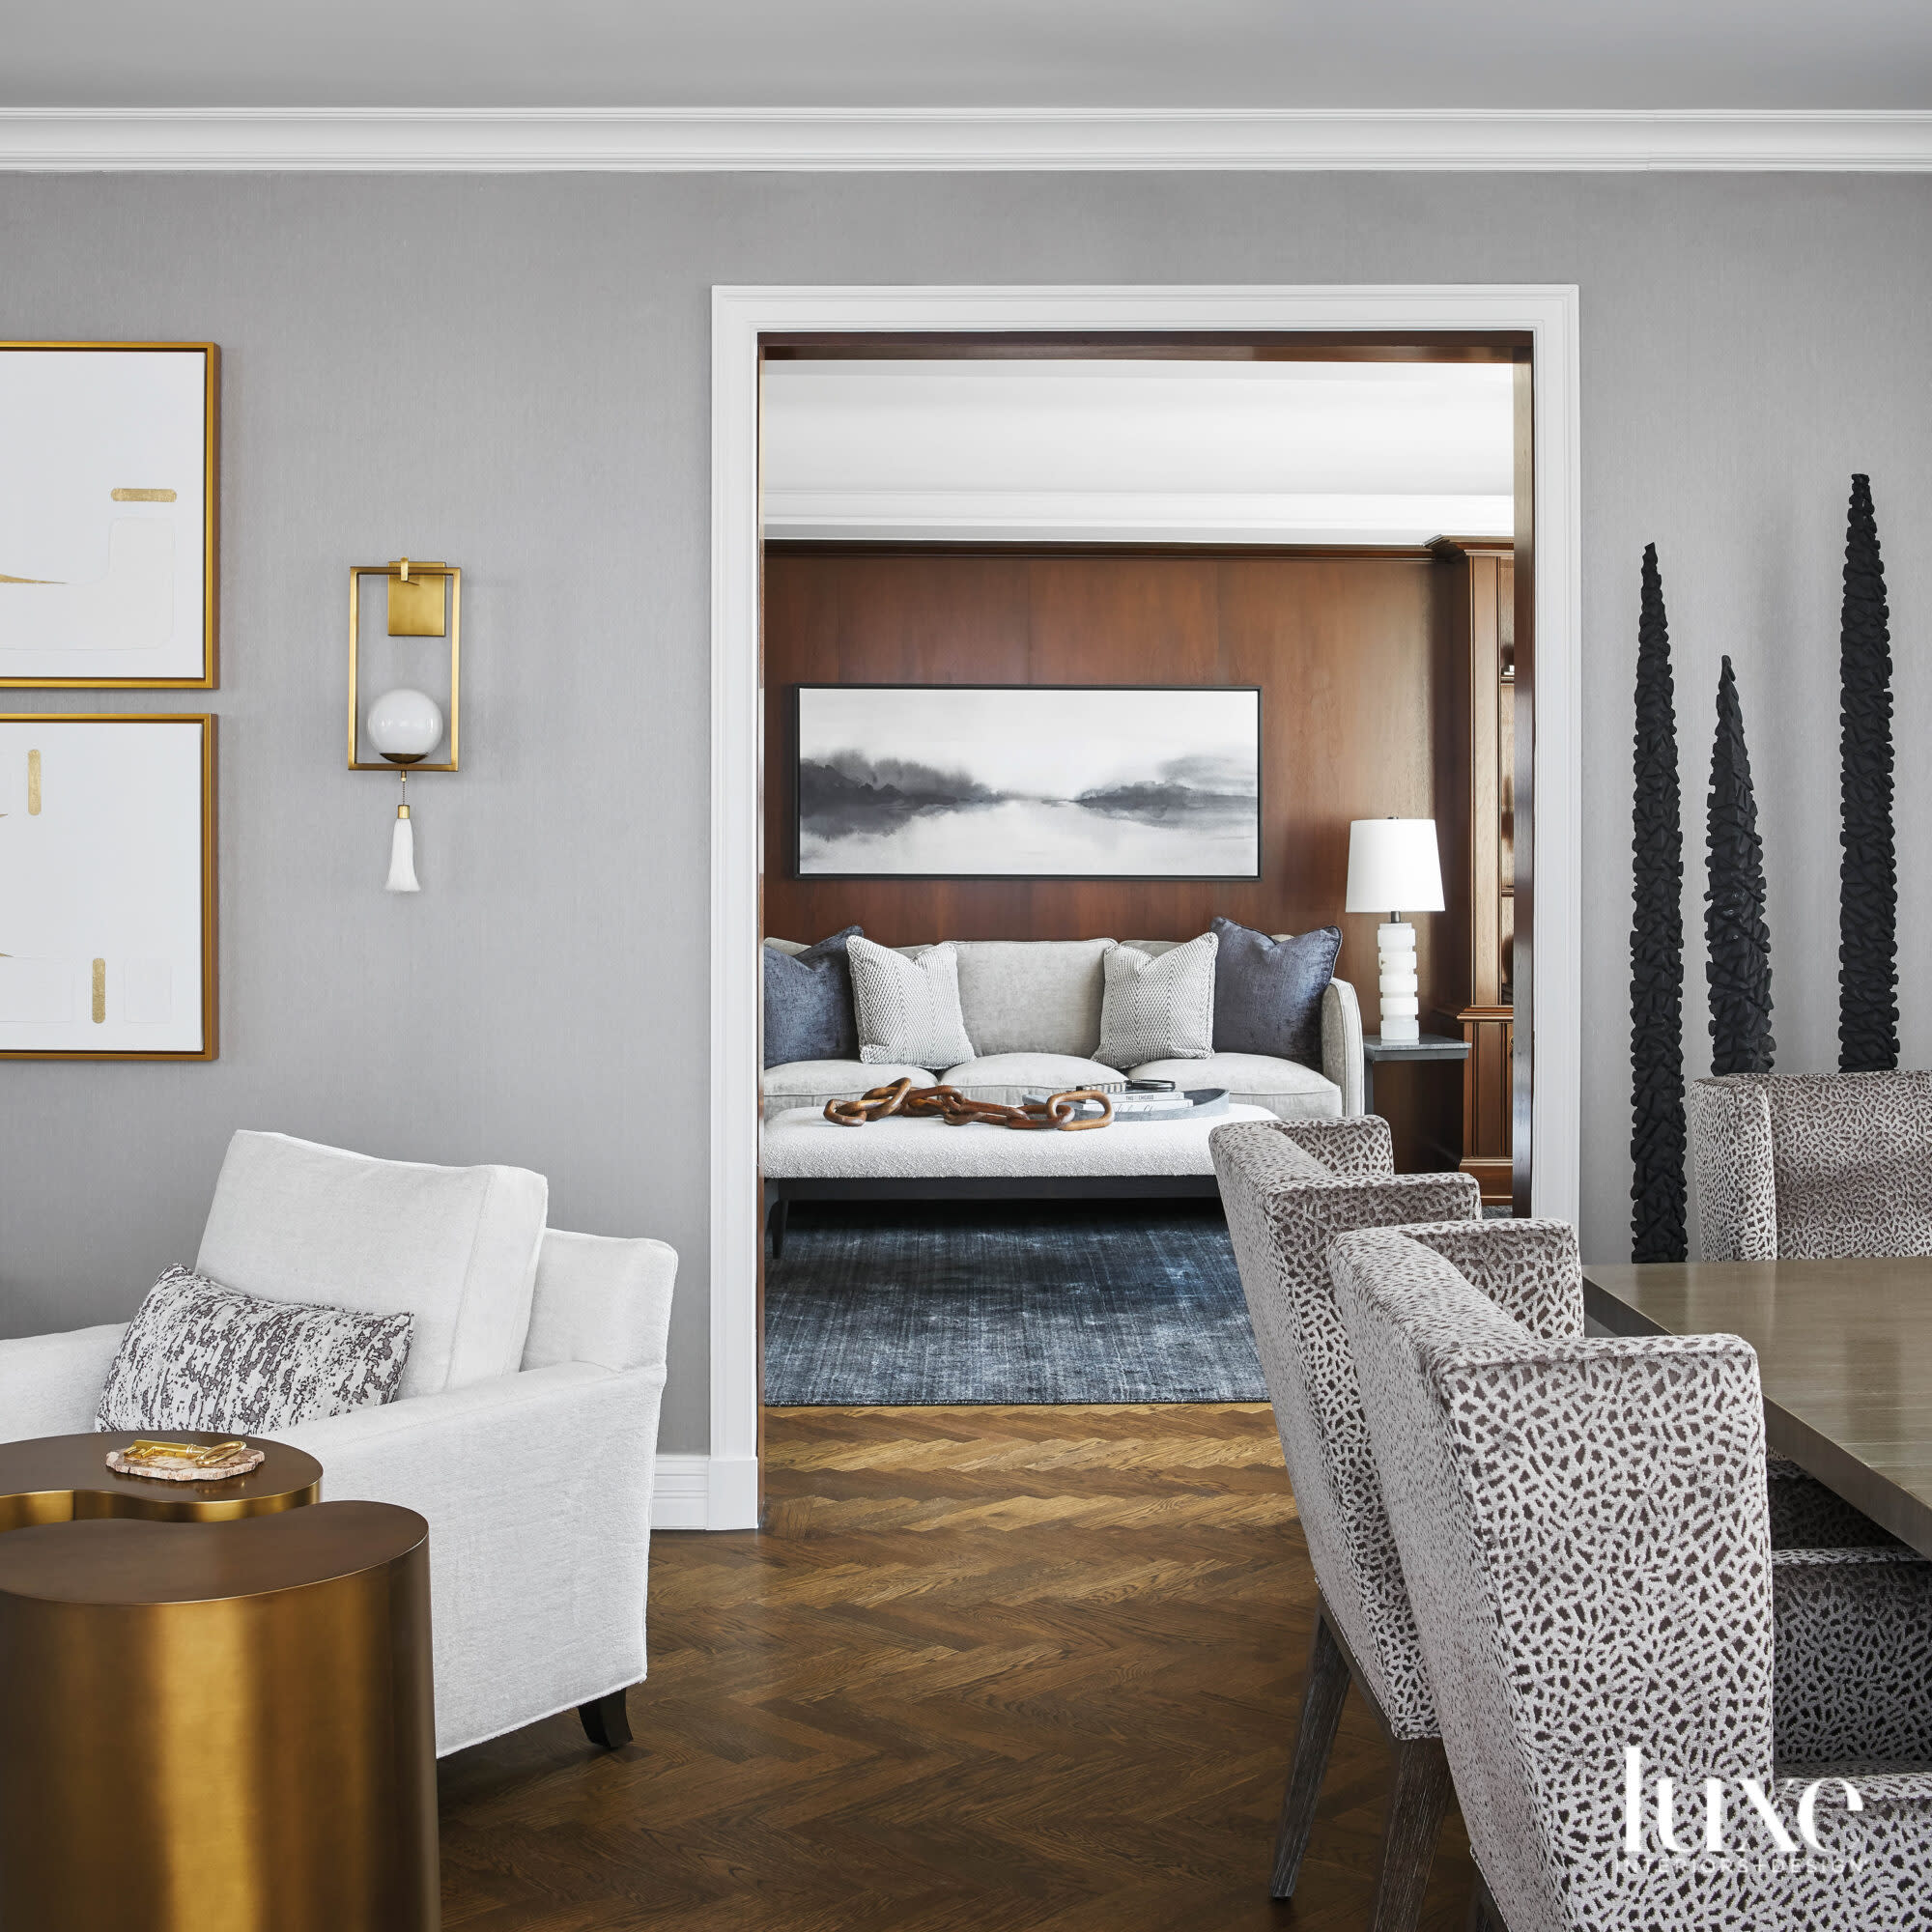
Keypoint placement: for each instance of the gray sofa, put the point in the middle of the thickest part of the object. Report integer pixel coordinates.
(1032, 1009)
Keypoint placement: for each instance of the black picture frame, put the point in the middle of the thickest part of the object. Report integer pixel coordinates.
(795, 819)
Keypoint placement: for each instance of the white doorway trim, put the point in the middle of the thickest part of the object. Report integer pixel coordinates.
(739, 316)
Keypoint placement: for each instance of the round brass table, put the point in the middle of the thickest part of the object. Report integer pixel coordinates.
(214, 1701)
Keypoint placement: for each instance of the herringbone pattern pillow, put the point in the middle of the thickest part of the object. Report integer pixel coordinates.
(908, 1008)
(1158, 1009)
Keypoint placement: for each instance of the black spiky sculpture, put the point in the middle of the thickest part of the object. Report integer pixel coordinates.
(1657, 947)
(1737, 940)
(1867, 874)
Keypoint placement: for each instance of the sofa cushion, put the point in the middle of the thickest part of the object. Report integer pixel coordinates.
(908, 1008)
(1267, 992)
(810, 1082)
(809, 1010)
(1033, 995)
(1287, 1089)
(1005, 1077)
(454, 1246)
(201, 1356)
(1158, 1008)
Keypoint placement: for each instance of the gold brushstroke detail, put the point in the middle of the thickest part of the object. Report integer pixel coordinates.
(32, 784)
(99, 991)
(31, 579)
(144, 496)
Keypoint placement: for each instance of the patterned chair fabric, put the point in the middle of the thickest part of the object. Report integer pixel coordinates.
(1290, 1187)
(1584, 1529)
(1813, 1166)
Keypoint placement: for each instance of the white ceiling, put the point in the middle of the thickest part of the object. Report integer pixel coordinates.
(1502, 54)
(1138, 451)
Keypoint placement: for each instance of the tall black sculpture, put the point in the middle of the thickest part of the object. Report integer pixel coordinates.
(1657, 947)
(1867, 874)
(1737, 940)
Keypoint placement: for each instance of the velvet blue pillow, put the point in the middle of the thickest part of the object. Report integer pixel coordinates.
(1267, 992)
(808, 1012)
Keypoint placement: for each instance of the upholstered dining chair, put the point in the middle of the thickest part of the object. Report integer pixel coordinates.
(1289, 1189)
(1813, 1166)
(1584, 1529)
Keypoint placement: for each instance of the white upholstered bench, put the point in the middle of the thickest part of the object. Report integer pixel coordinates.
(808, 1157)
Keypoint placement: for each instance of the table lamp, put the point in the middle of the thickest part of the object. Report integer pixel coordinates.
(1392, 862)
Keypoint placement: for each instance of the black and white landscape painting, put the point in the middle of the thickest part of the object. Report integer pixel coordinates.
(1029, 781)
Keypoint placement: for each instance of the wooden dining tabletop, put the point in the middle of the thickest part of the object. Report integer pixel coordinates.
(1844, 1352)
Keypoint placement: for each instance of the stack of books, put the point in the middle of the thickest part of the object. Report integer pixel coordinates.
(1147, 1107)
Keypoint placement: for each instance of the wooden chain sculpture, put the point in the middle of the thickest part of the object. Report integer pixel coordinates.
(1058, 1111)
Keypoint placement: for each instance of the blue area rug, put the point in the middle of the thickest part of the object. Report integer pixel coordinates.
(1013, 1302)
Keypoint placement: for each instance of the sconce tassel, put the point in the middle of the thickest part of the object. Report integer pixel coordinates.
(403, 853)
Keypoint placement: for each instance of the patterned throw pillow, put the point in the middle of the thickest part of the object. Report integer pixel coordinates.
(199, 1355)
(809, 1003)
(1267, 992)
(908, 1008)
(1158, 1009)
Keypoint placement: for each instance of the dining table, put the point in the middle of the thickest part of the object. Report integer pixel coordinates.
(1844, 1352)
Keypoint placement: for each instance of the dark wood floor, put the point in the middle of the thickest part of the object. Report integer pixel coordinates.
(987, 1668)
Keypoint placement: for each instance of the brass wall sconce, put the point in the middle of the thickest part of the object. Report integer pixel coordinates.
(405, 724)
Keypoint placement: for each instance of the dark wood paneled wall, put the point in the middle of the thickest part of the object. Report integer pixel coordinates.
(1339, 642)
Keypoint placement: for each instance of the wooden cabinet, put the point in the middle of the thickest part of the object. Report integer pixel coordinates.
(1475, 756)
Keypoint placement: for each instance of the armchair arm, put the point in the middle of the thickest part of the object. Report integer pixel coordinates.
(1341, 1044)
(1360, 1149)
(538, 1491)
(602, 1300)
(1737, 1191)
(50, 1384)
(1529, 1268)
(1853, 1656)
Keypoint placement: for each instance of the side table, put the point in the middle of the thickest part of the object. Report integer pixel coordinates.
(214, 1701)
(1430, 1046)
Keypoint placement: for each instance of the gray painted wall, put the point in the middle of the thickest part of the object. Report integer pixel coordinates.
(512, 373)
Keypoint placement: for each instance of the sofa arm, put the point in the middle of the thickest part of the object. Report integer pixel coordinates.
(1341, 1044)
(1852, 1663)
(538, 1491)
(1737, 1192)
(50, 1384)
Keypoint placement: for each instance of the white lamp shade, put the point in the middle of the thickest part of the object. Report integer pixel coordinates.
(1393, 865)
(404, 723)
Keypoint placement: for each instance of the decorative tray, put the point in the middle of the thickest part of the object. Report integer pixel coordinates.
(185, 1462)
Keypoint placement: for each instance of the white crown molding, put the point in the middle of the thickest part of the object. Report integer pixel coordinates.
(672, 140)
(1129, 516)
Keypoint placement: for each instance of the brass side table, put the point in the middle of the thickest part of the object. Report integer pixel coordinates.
(215, 1703)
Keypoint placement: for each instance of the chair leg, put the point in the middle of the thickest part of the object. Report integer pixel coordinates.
(780, 1212)
(1321, 1711)
(1418, 1797)
(607, 1721)
(1483, 1913)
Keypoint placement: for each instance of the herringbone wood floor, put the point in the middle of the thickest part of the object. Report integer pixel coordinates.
(986, 1670)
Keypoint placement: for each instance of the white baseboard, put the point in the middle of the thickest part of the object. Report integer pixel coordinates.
(682, 1498)
(705, 1493)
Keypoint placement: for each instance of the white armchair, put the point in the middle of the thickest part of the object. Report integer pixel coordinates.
(525, 1432)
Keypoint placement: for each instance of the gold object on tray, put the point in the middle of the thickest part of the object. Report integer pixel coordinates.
(184, 1461)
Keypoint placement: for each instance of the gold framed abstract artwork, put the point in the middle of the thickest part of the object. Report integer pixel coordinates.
(108, 515)
(107, 926)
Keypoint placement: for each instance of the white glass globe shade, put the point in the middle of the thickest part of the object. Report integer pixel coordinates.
(405, 724)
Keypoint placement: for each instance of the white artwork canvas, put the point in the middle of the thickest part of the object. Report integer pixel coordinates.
(105, 476)
(103, 885)
(1029, 781)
